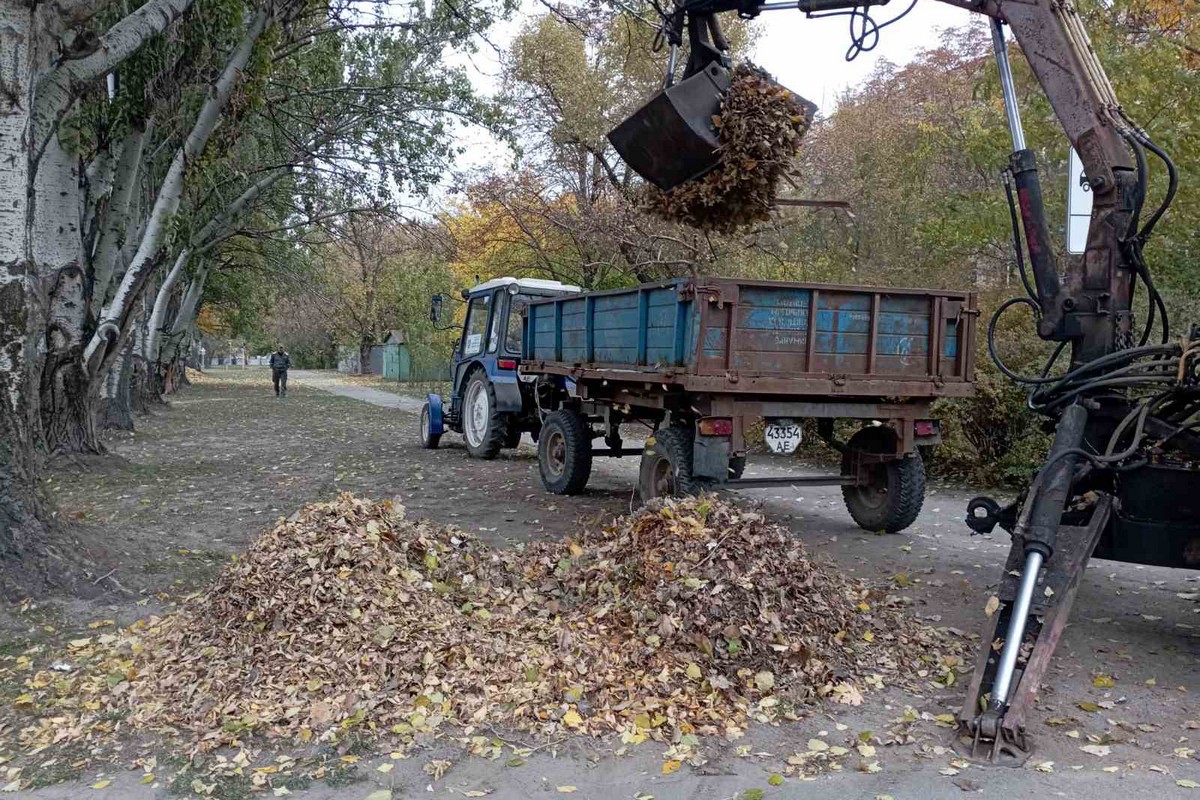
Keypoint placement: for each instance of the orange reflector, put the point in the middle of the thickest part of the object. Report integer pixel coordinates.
(506, 363)
(715, 426)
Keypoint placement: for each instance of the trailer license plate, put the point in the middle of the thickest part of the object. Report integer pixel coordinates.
(783, 436)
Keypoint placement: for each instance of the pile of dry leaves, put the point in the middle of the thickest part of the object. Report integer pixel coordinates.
(760, 127)
(687, 618)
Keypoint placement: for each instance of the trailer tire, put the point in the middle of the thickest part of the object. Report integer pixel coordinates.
(666, 468)
(737, 466)
(893, 499)
(429, 441)
(481, 421)
(565, 452)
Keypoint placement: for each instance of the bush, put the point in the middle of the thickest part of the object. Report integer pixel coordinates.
(993, 438)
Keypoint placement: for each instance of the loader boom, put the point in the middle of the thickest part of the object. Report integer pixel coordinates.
(1127, 413)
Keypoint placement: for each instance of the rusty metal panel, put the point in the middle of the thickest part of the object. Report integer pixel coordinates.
(723, 334)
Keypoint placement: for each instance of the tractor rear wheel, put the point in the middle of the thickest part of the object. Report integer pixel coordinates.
(483, 426)
(565, 452)
(895, 490)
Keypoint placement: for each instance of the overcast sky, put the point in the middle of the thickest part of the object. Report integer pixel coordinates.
(806, 55)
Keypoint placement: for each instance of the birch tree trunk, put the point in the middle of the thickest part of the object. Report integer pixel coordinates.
(42, 295)
(22, 535)
(158, 317)
(117, 397)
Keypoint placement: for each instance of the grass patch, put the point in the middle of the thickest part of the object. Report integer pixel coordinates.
(341, 775)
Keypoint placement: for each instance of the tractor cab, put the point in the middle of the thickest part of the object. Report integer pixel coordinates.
(488, 404)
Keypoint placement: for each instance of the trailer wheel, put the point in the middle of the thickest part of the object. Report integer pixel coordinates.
(483, 426)
(565, 452)
(892, 499)
(429, 441)
(666, 469)
(737, 466)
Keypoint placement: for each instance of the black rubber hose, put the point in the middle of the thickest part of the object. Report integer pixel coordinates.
(1018, 246)
(1172, 187)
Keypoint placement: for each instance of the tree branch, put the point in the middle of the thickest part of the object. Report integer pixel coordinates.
(58, 90)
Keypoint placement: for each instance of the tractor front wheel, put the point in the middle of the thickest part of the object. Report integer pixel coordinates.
(429, 440)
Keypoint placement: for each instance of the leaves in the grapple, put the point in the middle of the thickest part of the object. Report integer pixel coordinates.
(759, 128)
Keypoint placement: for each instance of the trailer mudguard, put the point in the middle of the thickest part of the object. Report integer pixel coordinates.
(436, 428)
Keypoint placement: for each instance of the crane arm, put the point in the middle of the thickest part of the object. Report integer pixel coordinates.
(1089, 304)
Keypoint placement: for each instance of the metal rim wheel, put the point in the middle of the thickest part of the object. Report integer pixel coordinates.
(565, 453)
(475, 413)
(483, 427)
(429, 441)
(895, 491)
(666, 468)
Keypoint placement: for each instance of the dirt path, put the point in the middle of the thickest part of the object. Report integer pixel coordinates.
(201, 479)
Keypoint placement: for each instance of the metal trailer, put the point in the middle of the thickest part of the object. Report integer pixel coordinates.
(698, 359)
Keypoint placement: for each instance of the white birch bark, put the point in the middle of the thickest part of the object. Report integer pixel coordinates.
(116, 220)
(168, 198)
(217, 228)
(159, 314)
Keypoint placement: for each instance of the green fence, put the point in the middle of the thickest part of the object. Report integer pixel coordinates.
(399, 364)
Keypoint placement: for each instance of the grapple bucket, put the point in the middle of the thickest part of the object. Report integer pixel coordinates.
(671, 139)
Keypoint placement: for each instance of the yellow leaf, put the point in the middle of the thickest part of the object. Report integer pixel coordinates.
(693, 671)
(146, 779)
(1187, 783)
(572, 718)
(944, 720)
(101, 784)
(775, 780)
(992, 605)
(1102, 681)
(868, 636)
(671, 766)
(566, 789)
(385, 767)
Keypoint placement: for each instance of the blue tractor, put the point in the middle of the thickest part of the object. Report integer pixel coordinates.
(490, 405)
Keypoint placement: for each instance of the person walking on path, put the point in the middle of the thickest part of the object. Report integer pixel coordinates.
(280, 361)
